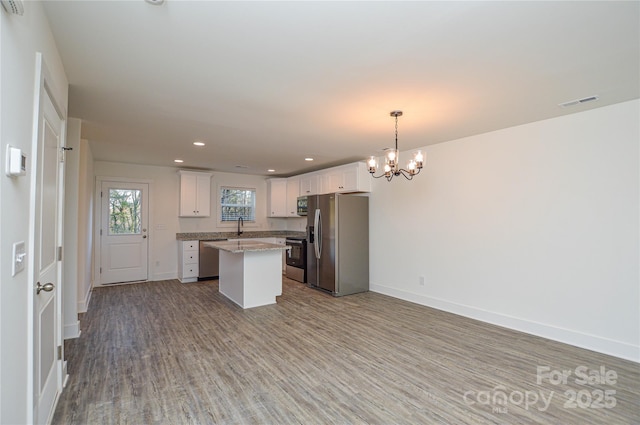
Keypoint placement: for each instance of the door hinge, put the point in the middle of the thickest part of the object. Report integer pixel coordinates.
(100, 232)
(100, 270)
(63, 151)
(60, 253)
(59, 352)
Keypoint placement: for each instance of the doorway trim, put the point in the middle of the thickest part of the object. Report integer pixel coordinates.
(97, 244)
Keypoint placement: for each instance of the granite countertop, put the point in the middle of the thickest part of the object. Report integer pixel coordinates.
(209, 236)
(236, 247)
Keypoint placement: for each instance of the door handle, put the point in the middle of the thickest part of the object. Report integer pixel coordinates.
(47, 287)
(144, 237)
(317, 225)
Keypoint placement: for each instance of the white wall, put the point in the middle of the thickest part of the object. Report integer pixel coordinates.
(164, 220)
(533, 227)
(78, 238)
(20, 38)
(86, 202)
(71, 272)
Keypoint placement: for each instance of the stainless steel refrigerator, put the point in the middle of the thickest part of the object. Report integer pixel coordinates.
(338, 243)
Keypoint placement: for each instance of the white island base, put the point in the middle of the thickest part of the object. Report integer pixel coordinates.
(250, 273)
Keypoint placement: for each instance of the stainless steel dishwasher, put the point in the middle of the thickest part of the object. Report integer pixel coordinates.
(209, 265)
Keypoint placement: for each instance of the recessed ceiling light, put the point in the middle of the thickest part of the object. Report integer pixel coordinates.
(242, 166)
(198, 143)
(308, 159)
(178, 160)
(271, 170)
(155, 2)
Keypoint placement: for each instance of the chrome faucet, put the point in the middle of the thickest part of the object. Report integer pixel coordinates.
(240, 222)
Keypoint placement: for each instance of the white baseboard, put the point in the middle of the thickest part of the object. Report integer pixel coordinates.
(591, 342)
(164, 276)
(72, 330)
(83, 305)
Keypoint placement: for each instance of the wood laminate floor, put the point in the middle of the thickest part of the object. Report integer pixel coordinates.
(172, 353)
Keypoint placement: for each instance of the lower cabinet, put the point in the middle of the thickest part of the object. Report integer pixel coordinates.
(188, 252)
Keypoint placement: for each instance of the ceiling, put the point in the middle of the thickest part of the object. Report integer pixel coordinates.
(266, 84)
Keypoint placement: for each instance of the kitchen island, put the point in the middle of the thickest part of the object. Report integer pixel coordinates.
(250, 271)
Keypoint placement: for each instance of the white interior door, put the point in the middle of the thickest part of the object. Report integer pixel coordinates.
(47, 262)
(124, 242)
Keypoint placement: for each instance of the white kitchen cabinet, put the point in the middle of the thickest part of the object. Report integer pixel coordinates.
(293, 191)
(282, 197)
(346, 178)
(332, 181)
(309, 184)
(276, 197)
(188, 252)
(195, 194)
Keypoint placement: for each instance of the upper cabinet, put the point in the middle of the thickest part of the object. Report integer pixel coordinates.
(195, 194)
(293, 191)
(282, 197)
(346, 178)
(309, 184)
(277, 197)
(282, 193)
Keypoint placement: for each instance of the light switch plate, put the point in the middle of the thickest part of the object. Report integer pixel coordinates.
(19, 258)
(15, 163)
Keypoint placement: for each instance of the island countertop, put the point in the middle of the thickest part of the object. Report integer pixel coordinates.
(240, 246)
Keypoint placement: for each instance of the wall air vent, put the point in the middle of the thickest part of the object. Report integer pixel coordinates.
(13, 6)
(578, 101)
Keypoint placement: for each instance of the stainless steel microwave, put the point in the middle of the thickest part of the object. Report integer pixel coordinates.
(302, 205)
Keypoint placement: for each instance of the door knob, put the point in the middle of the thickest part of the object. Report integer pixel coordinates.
(144, 237)
(47, 287)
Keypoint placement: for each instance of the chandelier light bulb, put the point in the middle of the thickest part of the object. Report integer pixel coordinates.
(373, 164)
(392, 158)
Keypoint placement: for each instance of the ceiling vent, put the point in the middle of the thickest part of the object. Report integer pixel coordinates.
(578, 101)
(13, 6)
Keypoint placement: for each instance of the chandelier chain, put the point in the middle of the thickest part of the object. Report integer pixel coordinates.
(396, 132)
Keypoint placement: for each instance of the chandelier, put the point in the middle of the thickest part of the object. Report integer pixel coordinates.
(392, 158)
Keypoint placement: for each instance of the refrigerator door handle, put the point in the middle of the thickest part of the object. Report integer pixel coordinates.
(317, 223)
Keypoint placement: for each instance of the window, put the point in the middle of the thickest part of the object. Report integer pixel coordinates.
(236, 203)
(124, 211)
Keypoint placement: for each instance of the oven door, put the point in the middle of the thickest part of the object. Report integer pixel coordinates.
(297, 260)
(297, 255)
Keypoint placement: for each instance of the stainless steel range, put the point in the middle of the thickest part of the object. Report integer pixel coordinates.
(296, 268)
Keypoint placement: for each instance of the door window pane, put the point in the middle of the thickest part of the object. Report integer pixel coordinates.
(124, 211)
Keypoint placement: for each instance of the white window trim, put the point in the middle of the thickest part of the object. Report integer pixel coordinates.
(234, 224)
